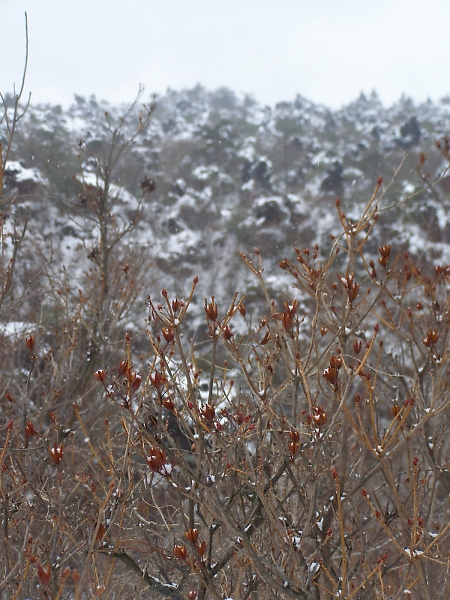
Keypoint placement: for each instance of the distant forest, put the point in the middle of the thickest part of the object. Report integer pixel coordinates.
(231, 174)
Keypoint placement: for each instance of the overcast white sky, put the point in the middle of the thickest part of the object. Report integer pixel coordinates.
(327, 50)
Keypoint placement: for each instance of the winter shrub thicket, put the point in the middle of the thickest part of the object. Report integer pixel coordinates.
(294, 448)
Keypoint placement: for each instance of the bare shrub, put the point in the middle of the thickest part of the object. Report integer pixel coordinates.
(306, 458)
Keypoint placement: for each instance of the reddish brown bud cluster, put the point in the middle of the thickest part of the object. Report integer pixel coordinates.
(44, 573)
(100, 533)
(168, 334)
(192, 536)
(180, 552)
(287, 317)
(211, 310)
(135, 381)
(126, 368)
(300, 258)
(157, 461)
(385, 252)
(208, 413)
(29, 342)
(331, 373)
(56, 452)
(239, 417)
(336, 361)
(201, 549)
(265, 339)
(176, 305)
(319, 416)
(440, 270)
(168, 403)
(373, 271)
(331, 377)
(357, 345)
(30, 429)
(294, 444)
(431, 338)
(284, 264)
(100, 376)
(395, 411)
(352, 287)
(227, 333)
(158, 380)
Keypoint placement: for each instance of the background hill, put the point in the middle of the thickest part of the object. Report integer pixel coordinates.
(231, 174)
